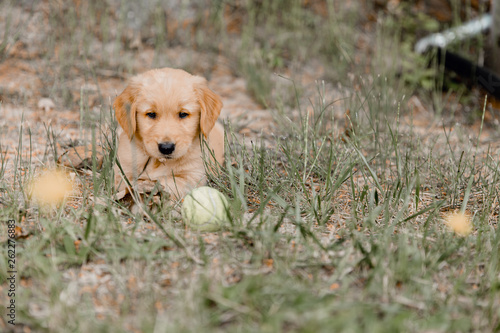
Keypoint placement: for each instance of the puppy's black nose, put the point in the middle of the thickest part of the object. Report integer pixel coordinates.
(166, 148)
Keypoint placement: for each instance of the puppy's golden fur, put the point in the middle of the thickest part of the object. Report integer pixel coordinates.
(165, 114)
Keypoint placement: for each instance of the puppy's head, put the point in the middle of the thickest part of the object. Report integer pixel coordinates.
(165, 110)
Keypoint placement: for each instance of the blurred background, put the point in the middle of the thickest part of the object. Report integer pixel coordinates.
(69, 50)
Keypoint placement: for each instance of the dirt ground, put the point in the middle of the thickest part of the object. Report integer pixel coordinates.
(33, 114)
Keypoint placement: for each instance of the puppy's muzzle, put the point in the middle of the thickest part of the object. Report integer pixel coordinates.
(166, 148)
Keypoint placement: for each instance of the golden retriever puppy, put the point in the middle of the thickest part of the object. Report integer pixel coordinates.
(167, 116)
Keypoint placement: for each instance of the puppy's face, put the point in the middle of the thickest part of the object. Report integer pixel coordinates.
(166, 110)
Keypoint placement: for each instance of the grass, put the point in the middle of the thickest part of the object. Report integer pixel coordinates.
(331, 230)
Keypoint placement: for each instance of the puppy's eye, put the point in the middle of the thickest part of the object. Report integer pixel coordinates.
(151, 115)
(183, 115)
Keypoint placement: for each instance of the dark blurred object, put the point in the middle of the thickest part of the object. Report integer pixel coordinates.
(479, 75)
(487, 77)
(492, 54)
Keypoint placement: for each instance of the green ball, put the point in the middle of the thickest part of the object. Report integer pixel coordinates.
(205, 209)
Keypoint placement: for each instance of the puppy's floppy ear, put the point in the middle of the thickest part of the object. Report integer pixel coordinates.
(210, 104)
(126, 109)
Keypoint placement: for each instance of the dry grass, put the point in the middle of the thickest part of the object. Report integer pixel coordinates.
(338, 187)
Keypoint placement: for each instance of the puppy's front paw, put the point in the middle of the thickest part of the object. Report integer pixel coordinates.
(141, 187)
(148, 186)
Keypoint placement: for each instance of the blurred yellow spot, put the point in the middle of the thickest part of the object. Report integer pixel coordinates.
(334, 286)
(459, 223)
(51, 187)
(269, 263)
